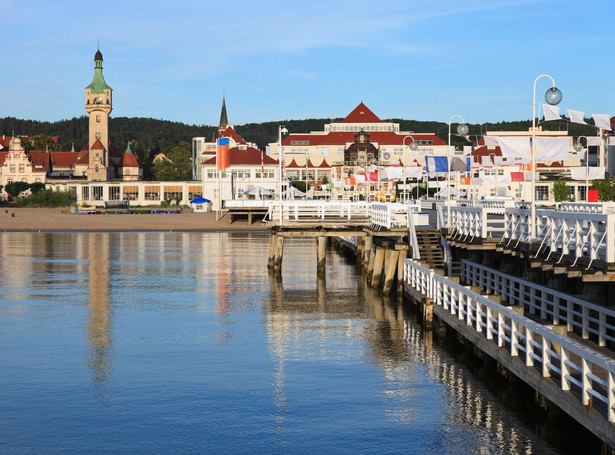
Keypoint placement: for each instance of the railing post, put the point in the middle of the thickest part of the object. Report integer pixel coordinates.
(514, 337)
(489, 324)
(501, 330)
(585, 381)
(529, 348)
(565, 381)
(545, 357)
(611, 395)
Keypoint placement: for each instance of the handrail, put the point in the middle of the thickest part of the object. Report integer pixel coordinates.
(540, 347)
(558, 306)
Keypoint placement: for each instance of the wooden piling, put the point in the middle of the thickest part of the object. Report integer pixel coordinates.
(322, 255)
(279, 253)
(389, 277)
(271, 258)
(372, 261)
(403, 253)
(378, 266)
(367, 249)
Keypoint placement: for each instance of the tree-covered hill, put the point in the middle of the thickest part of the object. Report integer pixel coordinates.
(163, 133)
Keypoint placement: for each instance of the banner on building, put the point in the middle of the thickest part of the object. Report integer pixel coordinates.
(222, 155)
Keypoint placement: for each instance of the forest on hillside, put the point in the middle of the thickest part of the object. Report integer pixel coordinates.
(163, 134)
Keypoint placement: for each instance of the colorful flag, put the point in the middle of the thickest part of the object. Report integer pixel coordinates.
(222, 155)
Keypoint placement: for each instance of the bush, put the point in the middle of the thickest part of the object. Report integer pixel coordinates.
(561, 191)
(36, 187)
(47, 198)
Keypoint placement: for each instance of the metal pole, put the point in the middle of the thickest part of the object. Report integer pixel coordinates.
(448, 174)
(533, 195)
(281, 157)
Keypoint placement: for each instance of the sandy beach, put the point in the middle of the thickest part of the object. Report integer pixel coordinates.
(60, 219)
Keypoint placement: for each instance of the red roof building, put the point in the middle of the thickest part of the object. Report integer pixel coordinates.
(386, 142)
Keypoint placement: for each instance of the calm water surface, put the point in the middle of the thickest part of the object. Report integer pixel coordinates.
(182, 342)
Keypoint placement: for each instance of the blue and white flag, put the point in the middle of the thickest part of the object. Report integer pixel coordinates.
(436, 163)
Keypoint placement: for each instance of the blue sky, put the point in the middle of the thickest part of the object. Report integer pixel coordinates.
(277, 60)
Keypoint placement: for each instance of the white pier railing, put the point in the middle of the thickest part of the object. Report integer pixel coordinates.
(469, 223)
(557, 307)
(392, 215)
(584, 375)
(321, 210)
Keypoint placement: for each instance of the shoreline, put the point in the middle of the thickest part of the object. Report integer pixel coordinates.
(14, 219)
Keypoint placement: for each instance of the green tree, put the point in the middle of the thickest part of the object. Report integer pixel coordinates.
(324, 180)
(36, 187)
(177, 165)
(606, 189)
(42, 142)
(16, 188)
(561, 191)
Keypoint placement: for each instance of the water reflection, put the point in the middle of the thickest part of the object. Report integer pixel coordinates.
(99, 309)
(419, 379)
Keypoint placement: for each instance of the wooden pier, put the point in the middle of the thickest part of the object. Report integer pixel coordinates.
(539, 306)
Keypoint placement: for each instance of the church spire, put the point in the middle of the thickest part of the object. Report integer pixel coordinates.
(223, 116)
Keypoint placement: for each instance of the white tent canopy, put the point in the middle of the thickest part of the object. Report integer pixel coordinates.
(445, 192)
(253, 191)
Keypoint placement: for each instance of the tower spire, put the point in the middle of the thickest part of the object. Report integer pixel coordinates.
(223, 116)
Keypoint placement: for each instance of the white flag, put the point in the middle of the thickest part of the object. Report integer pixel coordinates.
(611, 140)
(515, 147)
(467, 150)
(551, 112)
(553, 148)
(577, 116)
(594, 141)
(602, 121)
(584, 173)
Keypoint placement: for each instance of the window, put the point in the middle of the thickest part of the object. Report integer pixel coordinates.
(12, 168)
(22, 168)
(325, 152)
(37, 180)
(542, 193)
(299, 142)
(98, 119)
(10, 180)
(114, 193)
(152, 193)
(241, 173)
(85, 193)
(97, 193)
(24, 180)
(130, 193)
(268, 174)
(211, 173)
(194, 192)
(173, 193)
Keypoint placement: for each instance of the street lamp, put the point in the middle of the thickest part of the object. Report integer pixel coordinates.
(577, 148)
(553, 96)
(413, 147)
(462, 130)
(281, 130)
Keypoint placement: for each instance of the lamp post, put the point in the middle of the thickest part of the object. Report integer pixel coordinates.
(553, 96)
(462, 130)
(281, 130)
(413, 147)
(485, 172)
(577, 148)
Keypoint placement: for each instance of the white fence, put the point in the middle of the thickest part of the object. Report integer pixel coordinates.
(557, 307)
(322, 210)
(583, 374)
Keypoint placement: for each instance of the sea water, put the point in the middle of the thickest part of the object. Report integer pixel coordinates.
(183, 342)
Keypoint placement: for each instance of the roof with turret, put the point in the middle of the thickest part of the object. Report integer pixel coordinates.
(98, 84)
